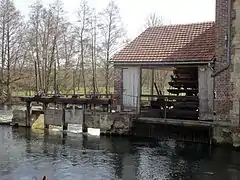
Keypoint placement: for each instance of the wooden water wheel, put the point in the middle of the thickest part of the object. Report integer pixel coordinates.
(184, 82)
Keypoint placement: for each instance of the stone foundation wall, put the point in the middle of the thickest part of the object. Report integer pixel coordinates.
(74, 116)
(110, 123)
(92, 120)
(19, 117)
(117, 123)
(227, 134)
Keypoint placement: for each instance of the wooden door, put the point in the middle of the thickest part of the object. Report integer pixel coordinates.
(131, 87)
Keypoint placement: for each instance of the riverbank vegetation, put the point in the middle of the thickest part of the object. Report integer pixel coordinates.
(46, 52)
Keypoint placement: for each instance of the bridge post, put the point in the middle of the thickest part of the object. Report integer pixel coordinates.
(28, 115)
(65, 125)
(84, 127)
(46, 126)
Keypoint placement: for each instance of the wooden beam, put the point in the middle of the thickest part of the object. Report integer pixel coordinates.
(181, 122)
(183, 98)
(152, 81)
(140, 92)
(62, 100)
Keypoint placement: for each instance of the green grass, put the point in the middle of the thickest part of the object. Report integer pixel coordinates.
(145, 90)
(80, 91)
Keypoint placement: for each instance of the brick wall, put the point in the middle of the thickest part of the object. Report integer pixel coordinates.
(223, 86)
(118, 84)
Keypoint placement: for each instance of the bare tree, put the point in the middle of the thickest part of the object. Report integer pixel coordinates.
(93, 36)
(56, 50)
(35, 18)
(57, 12)
(153, 20)
(112, 31)
(84, 16)
(66, 52)
(44, 34)
(157, 76)
(12, 34)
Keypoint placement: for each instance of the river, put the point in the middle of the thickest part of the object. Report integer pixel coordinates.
(27, 154)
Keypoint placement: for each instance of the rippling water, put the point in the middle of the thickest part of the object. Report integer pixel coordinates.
(27, 155)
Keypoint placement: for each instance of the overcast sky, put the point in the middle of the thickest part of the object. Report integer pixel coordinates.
(134, 12)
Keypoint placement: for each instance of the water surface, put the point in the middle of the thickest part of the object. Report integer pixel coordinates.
(27, 155)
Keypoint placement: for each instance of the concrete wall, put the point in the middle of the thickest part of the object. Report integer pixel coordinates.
(109, 123)
(74, 116)
(53, 117)
(19, 117)
(205, 86)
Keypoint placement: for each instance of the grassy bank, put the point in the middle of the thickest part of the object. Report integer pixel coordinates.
(77, 91)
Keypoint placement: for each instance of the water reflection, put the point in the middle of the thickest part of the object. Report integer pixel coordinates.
(25, 154)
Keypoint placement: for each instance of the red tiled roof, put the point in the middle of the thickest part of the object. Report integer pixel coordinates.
(183, 42)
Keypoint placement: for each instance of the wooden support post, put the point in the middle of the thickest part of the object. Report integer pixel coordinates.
(152, 82)
(64, 138)
(165, 110)
(46, 126)
(45, 142)
(111, 104)
(28, 115)
(139, 93)
(84, 126)
(64, 124)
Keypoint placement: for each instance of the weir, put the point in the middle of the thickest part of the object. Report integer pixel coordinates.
(99, 114)
(60, 111)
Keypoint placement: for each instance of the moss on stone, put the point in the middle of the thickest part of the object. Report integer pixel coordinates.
(39, 123)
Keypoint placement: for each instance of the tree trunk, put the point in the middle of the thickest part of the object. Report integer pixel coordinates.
(37, 52)
(3, 49)
(93, 68)
(8, 64)
(51, 63)
(82, 62)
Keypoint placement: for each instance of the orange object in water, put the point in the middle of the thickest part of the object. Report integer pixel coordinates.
(44, 177)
